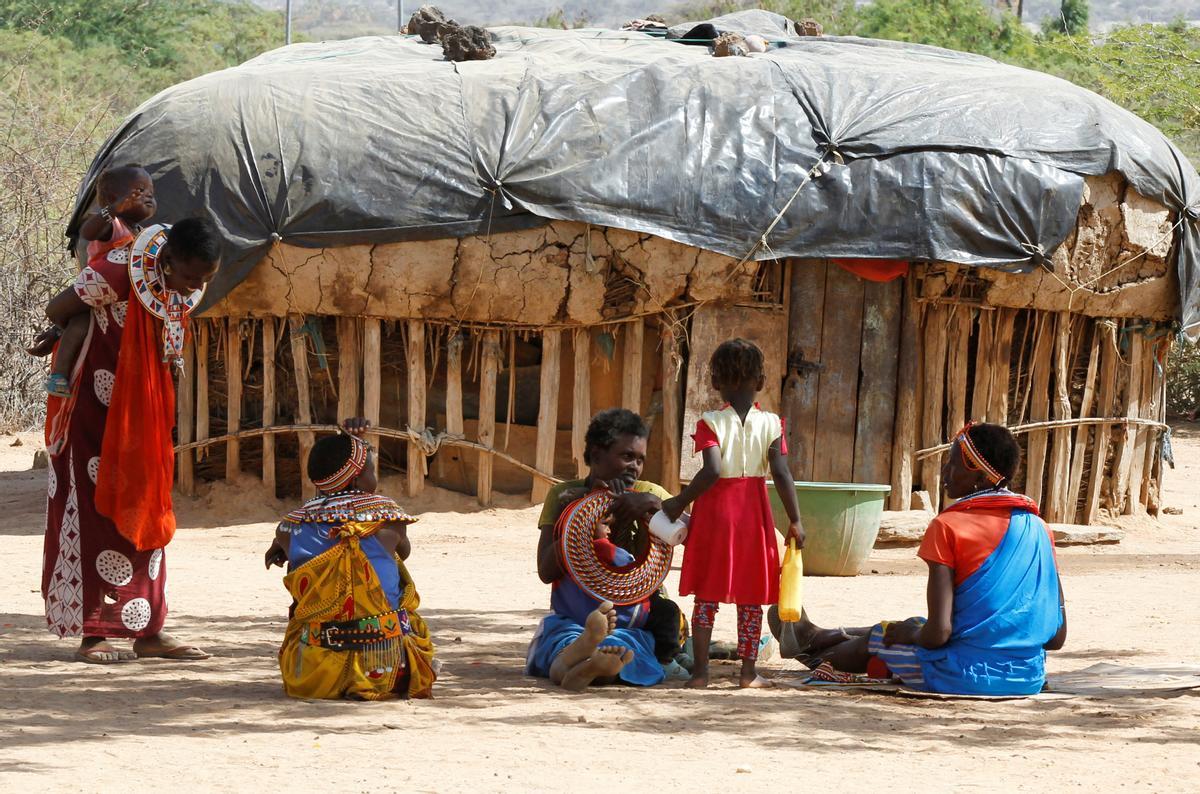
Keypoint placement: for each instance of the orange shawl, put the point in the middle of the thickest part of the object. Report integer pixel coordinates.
(137, 458)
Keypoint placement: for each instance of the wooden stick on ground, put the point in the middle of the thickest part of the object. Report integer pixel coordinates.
(547, 427)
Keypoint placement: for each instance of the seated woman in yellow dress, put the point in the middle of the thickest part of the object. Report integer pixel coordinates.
(353, 630)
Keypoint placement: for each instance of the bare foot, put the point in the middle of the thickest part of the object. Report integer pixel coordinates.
(599, 624)
(164, 646)
(97, 650)
(697, 682)
(755, 681)
(606, 662)
(803, 637)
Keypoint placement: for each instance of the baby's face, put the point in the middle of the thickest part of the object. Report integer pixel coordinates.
(136, 202)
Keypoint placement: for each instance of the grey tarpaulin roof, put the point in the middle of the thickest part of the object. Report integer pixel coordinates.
(947, 156)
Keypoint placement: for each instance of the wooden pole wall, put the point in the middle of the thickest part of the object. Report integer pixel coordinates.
(907, 374)
(304, 413)
(800, 388)
(268, 406)
(487, 412)
(416, 406)
(233, 377)
(671, 367)
(372, 378)
(547, 426)
(581, 411)
(631, 371)
(186, 419)
(934, 375)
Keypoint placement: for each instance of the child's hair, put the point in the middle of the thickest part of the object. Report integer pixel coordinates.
(998, 446)
(115, 180)
(736, 361)
(329, 455)
(195, 238)
(608, 426)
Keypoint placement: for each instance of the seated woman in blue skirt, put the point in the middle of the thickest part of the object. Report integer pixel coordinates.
(994, 593)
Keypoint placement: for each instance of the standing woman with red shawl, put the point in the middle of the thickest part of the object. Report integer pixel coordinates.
(109, 513)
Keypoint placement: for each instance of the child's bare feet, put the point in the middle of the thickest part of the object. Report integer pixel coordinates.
(754, 681)
(606, 662)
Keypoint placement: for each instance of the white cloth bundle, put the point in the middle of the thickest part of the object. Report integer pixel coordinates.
(670, 532)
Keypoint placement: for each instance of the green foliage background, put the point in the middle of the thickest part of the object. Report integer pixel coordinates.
(71, 69)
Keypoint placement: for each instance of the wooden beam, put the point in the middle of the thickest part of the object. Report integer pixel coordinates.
(1039, 406)
(934, 375)
(1127, 436)
(631, 373)
(1109, 359)
(487, 412)
(372, 378)
(904, 445)
(349, 361)
(268, 406)
(956, 368)
(581, 405)
(1078, 457)
(672, 361)
(202, 417)
(186, 420)
(1141, 437)
(1001, 365)
(1058, 484)
(875, 423)
(984, 357)
(454, 392)
(837, 401)
(233, 379)
(547, 423)
(800, 388)
(303, 398)
(416, 406)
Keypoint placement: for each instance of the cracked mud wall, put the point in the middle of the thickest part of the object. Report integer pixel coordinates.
(562, 273)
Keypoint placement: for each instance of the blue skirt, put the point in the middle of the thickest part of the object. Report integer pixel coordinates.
(556, 632)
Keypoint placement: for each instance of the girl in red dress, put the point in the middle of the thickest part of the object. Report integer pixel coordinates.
(731, 556)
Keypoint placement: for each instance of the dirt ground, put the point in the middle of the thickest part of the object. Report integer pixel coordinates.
(225, 724)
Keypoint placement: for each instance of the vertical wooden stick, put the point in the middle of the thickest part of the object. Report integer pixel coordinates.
(956, 368)
(372, 377)
(984, 356)
(1126, 438)
(416, 405)
(631, 375)
(233, 377)
(1081, 433)
(1060, 451)
(1002, 337)
(1143, 375)
(186, 420)
(487, 412)
(935, 341)
(202, 417)
(671, 363)
(547, 426)
(581, 406)
(454, 392)
(1106, 337)
(905, 443)
(268, 408)
(1039, 410)
(303, 399)
(349, 367)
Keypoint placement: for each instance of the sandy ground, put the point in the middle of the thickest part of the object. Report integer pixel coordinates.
(225, 724)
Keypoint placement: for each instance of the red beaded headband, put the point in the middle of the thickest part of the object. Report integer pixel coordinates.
(349, 470)
(972, 458)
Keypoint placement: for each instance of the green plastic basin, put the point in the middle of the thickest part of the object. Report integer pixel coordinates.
(841, 522)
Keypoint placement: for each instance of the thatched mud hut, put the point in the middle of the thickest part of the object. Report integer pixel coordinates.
(477, 256)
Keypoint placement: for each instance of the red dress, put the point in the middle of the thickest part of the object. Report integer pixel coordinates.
(732, 551)
(94, 581)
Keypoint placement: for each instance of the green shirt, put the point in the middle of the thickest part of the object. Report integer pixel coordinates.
(632, 538)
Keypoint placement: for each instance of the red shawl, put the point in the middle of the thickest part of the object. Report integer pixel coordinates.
(137, 459)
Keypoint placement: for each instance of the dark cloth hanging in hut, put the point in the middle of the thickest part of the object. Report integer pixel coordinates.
(929, 154)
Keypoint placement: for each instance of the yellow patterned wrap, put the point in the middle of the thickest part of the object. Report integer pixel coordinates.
(340, 586)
